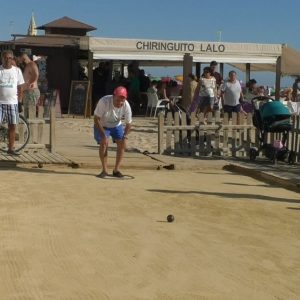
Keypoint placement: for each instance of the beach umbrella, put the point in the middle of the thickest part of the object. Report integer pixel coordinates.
(179, 77)
(166, 79)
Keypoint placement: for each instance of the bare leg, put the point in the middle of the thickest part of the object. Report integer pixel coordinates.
(103, 154)
(120, 153)
(206, 110)
(11, 136)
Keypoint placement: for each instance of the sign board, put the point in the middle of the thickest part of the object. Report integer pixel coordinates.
(78, 97)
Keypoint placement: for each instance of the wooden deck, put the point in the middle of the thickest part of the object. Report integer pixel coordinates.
(39, 156)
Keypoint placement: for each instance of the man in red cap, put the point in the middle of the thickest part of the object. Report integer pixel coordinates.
(107, 116)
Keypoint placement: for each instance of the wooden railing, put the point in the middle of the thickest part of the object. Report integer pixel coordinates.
(215, 135)
(42, 126)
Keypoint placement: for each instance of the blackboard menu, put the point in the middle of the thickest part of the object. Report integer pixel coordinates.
(78, 98)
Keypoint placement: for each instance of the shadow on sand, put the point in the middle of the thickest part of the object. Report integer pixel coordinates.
(229, 195)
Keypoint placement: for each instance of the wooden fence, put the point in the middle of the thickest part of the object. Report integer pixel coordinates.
(215, 135)
(42, 126)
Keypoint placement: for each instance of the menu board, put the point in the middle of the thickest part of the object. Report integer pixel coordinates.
(78, 97)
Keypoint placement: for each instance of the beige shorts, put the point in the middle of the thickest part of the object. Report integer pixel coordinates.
(31, 97)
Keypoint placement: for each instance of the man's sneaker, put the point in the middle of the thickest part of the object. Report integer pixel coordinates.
(103, 174)
(118, 174)
(13, 152)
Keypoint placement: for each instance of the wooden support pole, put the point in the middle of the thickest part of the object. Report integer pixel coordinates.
(52, 129)
(278, 77)
(187, 69)
(88, 112)
(160, 132)
(222, 69)
(247, 73)
(198, 69)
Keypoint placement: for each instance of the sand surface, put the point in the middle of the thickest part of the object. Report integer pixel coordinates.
(143, 135)
(65, 234)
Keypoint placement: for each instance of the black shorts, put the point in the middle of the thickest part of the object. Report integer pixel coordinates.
(231, 109)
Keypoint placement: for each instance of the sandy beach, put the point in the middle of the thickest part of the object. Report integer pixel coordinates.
(66, 234)
(143, 135)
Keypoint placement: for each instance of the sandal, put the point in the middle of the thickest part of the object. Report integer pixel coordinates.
(13, 152)
(103, 174)
(118, 174)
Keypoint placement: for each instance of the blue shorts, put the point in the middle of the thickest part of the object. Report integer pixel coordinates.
(9, 113)
(116, 133)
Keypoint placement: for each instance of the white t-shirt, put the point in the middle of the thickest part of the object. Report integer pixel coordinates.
(232, 93)
(111, 116)
(9, 81)
(208, 87)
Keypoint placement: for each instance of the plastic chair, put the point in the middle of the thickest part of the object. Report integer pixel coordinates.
(149, 103)
(157, 103)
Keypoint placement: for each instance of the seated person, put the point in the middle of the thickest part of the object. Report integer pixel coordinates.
(249, 93)
(153, 87)
(162, 95)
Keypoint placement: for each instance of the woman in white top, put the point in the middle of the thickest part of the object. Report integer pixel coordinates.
(205, 93)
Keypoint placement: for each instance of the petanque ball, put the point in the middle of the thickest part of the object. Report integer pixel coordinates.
(170, 218)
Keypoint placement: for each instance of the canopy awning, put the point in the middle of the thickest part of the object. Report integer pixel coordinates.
(262, 57)
(166, 50)
(290, 63)
(174, 51)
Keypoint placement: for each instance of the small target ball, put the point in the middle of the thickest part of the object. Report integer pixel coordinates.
(170, 218)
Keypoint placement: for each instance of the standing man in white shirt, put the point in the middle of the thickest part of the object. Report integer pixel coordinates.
(11, 80)
(107, 116)
(231, 93)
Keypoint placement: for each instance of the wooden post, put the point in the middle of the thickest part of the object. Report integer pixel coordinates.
(225, 134)
(52, 129)
(177, 144)
(247, 73)
(169, 134)
(198, 70)
(209, 134)
(160, 132)
(222, 69)
(249, 135)
(184, 141)
(292, 133)
(187, 69)
(278, 77)
(233, 134)
(240, 134)
(193, 134)
(201, 134)
(218, 121)
(89, 112)
(296, 147)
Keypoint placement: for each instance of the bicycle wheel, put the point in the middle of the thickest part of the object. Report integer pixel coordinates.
(22, 135)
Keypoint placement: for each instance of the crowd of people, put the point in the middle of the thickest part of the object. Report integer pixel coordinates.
(137, 84)
(214, 93)
(208, 93)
